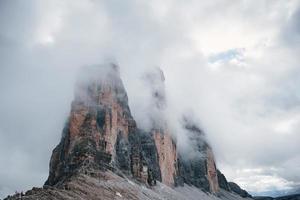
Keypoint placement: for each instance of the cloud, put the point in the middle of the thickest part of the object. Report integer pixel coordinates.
(235, 66)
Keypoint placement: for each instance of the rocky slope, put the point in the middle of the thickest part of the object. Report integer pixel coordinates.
(107, 185)
(112, 186)
(104, 155)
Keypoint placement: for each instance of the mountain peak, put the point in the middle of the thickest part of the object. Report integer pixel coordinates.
(99, 117)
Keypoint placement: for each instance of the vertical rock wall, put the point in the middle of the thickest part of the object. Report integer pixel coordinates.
(197, 167)
(167, 155)
(212, 176)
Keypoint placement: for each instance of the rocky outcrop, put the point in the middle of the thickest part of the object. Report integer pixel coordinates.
(198, 167)
(101, 143)
(167, 155)
(163, 140)
(235, 188)
(102, 134)
(99, 130)
(223, 181)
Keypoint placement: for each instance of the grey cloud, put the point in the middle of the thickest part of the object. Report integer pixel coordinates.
(42, 45)
(291, 30)
(17, 19)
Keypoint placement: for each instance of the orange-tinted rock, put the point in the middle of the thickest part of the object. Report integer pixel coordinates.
(99, 115)
(167, 155)
(102, 134)
(212, 172)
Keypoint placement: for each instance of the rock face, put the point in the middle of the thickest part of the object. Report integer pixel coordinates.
(100, 131)
(102, 134)
(199, 168)
(167, 155)
(235, 188)
(223, 181)
(101, 137)
(164, 143)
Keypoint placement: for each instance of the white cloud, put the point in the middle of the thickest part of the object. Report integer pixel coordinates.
(265, 183)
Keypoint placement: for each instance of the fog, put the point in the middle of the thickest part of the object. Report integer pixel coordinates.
(233, 66)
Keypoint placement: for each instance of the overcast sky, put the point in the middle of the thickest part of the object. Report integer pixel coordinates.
(234, 65)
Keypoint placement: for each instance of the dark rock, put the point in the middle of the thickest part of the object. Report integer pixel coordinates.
(150, 157)
(123, 154)
(199, 168)
(223, 181)
(235, 188)
(193, 172)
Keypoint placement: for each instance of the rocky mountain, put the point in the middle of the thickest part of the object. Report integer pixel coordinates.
(103, 154)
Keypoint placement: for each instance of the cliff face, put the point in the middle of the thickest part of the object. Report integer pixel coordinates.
(167, 155)
(212, 171)
(164, 143)
(198, 167)
(235, 188)
(102, 135)
(97, 134)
